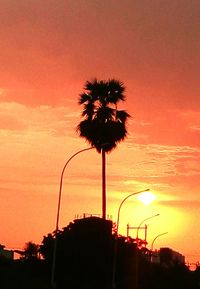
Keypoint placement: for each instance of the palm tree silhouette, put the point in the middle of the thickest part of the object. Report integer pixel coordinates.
(103, 125)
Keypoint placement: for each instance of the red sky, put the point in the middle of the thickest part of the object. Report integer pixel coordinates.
(48, 50)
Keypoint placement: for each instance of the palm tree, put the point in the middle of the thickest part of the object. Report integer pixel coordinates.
(103, 125)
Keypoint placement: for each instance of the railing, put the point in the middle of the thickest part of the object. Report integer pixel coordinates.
(87, 215)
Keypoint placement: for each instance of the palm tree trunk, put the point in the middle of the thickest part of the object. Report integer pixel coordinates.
(103, 154)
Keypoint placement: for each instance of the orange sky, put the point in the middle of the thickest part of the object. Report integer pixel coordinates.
(48, 50)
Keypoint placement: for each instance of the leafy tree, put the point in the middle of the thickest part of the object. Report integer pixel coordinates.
(84, 254)
(31, 251)
(103, 125)
(47, 246)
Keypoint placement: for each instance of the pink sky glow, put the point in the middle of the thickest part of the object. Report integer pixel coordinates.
(48, 50)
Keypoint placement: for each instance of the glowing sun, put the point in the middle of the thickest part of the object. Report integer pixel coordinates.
(146, 198)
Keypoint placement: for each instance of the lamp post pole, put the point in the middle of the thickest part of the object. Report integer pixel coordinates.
(159, 235)
(115, 241)
(53, 283)
(138, 228)
(118, 214)
(151, 252)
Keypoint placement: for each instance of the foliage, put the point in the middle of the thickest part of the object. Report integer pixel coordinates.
(85, 260)
(31, 251)
(84, 253)
(103, 125)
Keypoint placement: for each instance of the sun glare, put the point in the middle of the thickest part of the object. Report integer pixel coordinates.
(146, 198)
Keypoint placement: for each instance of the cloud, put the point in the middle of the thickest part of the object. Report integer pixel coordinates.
(181, 203)
(52, 120)
(173, 127)
(163, 168)
(47, 53)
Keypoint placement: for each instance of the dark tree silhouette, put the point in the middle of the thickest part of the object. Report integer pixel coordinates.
(31, 251)
(103, 125)
(47, 247)
(84, 256)
(85, 260)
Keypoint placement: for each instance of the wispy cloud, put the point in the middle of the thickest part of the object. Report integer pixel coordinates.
(44, 118)
(181, 203)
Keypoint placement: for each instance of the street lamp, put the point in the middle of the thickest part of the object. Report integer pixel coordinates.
(159, 235)
(118, 215)
(58, 215)
(138, 228)
(115, 241)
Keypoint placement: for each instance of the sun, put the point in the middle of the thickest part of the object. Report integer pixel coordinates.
(146, 198)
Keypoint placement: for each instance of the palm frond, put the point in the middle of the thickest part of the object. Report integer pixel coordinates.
(98, 89)
(84, 97)
(90, 84)
(84, 129)
(88, 110)
(116, 84)
(122, 115)
(105, 113)
(116, 91)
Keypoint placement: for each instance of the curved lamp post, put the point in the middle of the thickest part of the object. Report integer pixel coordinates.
(138, 228)
(58, 215)
(118, 215)
(115, 242)
(159, 235)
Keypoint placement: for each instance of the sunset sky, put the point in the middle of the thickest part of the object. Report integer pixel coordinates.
(48, 49)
